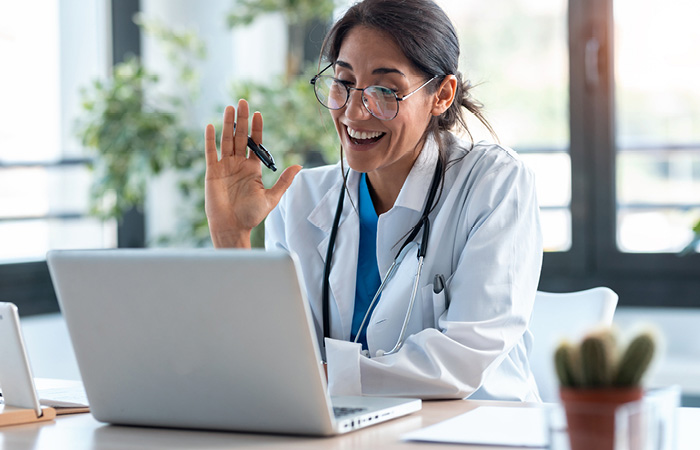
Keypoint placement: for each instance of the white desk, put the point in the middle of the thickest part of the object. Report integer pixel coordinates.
(83, 432)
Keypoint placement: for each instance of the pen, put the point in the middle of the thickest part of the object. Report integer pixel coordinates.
(438, 283)
(262, 153)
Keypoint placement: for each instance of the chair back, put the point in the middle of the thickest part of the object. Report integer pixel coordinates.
(558, 316)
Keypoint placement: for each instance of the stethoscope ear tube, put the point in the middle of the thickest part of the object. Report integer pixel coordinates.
(423, 247)
(327, 268)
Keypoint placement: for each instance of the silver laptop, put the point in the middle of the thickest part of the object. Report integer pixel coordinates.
(210, 339)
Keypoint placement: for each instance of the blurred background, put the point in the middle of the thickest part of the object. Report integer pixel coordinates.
(103, 106)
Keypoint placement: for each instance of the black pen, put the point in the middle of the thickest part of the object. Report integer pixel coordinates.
(262, 153)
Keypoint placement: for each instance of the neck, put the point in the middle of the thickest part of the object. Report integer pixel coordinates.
(386, 183)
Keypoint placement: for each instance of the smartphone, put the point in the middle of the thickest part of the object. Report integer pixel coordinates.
(16, 380)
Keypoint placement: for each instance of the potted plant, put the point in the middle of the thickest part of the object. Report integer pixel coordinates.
(596, 377)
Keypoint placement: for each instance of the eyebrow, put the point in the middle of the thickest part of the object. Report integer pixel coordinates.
(378, 71)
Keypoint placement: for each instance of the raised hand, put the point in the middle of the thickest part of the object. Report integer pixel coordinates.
(235, 198)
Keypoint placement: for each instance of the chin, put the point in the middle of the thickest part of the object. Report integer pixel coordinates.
(359, 164)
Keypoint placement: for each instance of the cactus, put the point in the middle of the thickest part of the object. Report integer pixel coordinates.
(635, 360)
(595, 363)
(566, 362)
(598, 354)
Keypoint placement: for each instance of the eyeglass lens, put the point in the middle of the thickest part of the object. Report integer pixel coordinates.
(379, 101)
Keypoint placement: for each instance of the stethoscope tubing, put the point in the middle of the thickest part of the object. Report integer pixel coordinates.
(424, 224)
(421, 256)
(389, 274)
(409, 312)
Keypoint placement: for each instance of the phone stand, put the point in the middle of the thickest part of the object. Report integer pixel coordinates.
(10, 415)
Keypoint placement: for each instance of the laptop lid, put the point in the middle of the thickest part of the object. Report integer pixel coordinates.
(215, 339)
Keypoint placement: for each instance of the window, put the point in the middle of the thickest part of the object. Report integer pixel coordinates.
(515, 54)
(657, 113)
(599, 97)
(605, 108)
(44, 178)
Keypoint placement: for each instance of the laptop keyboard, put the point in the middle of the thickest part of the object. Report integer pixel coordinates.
(340, 411)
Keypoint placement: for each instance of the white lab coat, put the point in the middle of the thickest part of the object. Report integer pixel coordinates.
(484, 239)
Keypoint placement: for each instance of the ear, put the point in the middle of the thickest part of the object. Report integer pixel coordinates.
(445, 95)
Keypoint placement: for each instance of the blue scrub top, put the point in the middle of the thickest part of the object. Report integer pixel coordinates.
(368, 279)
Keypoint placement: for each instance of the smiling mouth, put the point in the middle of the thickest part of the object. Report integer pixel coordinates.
(363, 137)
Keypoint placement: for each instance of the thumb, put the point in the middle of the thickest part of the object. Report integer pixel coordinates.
(283, 183)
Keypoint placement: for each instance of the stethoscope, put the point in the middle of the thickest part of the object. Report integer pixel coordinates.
(423, 224)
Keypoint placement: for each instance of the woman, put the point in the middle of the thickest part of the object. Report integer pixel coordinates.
(394, 92)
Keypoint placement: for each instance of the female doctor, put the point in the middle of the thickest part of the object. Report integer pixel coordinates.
(420, 253)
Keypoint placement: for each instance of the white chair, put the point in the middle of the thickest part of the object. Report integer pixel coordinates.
(564, 316)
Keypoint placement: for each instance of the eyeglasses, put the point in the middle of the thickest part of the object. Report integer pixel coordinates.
(381, 102)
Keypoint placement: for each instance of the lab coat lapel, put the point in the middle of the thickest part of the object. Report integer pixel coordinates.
(394, 225)
(344, 268)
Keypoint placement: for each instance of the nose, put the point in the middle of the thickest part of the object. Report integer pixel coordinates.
(355, 108)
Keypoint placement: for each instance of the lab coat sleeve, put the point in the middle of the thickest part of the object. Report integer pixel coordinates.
(275, 235)
(492, 292)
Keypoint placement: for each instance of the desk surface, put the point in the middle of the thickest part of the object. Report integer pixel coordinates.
(96, 435)
(82, 431)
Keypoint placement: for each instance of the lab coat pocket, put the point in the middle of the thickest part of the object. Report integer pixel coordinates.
(434, 305)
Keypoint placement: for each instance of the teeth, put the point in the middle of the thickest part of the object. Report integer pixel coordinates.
(363, 134)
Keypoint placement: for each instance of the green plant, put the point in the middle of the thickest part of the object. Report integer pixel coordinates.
(597, 363)
(598, 352)
(136, 133)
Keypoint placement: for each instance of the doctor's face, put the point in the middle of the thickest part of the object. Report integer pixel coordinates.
(369, 57)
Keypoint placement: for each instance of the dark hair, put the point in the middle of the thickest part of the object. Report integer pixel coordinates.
(427, 38)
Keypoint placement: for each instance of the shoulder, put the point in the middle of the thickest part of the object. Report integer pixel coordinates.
(470, 163)
(316, 181)
(482, 154)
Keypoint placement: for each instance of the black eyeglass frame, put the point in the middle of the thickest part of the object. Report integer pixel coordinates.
(362, 92)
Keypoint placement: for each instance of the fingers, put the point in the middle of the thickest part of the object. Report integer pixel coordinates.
(227, 148)
(256, 128)
(210, 155)
(240, 140)
(283, 183)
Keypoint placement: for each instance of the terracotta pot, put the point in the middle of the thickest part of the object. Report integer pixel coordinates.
(590, 415)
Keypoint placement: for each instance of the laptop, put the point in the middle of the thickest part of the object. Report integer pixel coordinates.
(203, 339)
